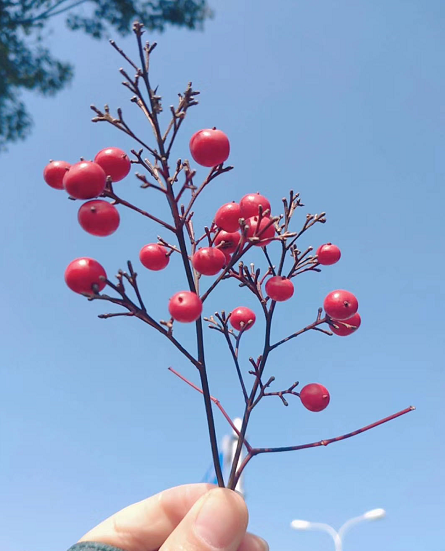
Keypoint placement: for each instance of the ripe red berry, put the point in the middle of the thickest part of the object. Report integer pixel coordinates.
(208, 261)
(185, 307)
(85, 180)
(82, 273)
(328, 254)
(230, 240)
(279, 288)
(227, 217)
(98, 217)
(265, 230)
(54, 172)
(341, 329)
(209, 147)
(154, 257)
(250, 204)
(340, 305)
(115, 163)
(242, 318)
(314, 397)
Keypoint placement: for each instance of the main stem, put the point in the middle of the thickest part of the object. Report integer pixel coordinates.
(249, 405)
(233, 478)
(179, 230)
(201, 356)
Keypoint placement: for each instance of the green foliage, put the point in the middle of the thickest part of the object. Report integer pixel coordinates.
(26, 64)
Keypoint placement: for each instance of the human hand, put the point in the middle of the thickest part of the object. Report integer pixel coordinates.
(194, 517)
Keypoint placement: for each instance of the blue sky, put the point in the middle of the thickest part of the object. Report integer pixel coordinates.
(342, 101)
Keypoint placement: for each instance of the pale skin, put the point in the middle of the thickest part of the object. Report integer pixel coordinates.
(193, 517)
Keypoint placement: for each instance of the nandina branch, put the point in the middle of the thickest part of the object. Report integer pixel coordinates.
(257, 451)
(248, 409)
(214, 172)
(118, 201)
(218, 405)
(138, 312)
(120, 124)
(151, 168)
(289, 209)
(124, 55)
(239, 253)
(279, 393)
(155, 104)
(250, 279)
(182, 218)
(271, 266)
(178, 230)
(233, 350)
(313, 326)
(311, 219)
(185, 102)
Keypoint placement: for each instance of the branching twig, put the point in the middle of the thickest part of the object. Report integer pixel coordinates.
(257, 451)
(313, 325)
(164, 179)
(218, 405)
(119, 201)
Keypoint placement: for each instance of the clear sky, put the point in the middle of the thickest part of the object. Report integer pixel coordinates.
(340, 100)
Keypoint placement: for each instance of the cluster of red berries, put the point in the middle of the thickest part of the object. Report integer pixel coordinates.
(87, 180)
(341, 307)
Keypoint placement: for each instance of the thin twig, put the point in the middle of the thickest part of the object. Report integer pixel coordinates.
(307, 328)
(218, 405)
(257, 451)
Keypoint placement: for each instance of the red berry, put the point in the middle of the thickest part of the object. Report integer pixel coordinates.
(341, 329)
(209, 147)
(265, 230)
(98, 218)
(328, 254)
(279, 288)
(314, 397)
(185, 306)
(250, 205)
(82, 273)
(115, 163)
(54, 172)
(231, 241)
(154, 257)
(242, 318)
(227, 217)
(340, 305)
(208, 261)
(85, 180)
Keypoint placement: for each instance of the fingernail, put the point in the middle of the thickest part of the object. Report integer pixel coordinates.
(252, 542)
(262, 545)
(218, 522)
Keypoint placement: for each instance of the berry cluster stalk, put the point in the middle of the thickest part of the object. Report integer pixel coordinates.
(236, 229)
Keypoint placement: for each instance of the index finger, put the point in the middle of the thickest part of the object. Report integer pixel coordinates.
(145, 525)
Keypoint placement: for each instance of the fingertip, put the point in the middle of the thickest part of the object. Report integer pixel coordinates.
(251, 542)
(221, 519)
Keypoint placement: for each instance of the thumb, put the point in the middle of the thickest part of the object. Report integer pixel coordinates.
(218, 520)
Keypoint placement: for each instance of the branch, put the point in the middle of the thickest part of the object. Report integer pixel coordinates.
(257, 451)
(218, 404)
(313, 325)
(185, 102)
(138, 312)
(121, 125)
(214, 172)
(118, 201)
(234, 351)
(280, 393)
